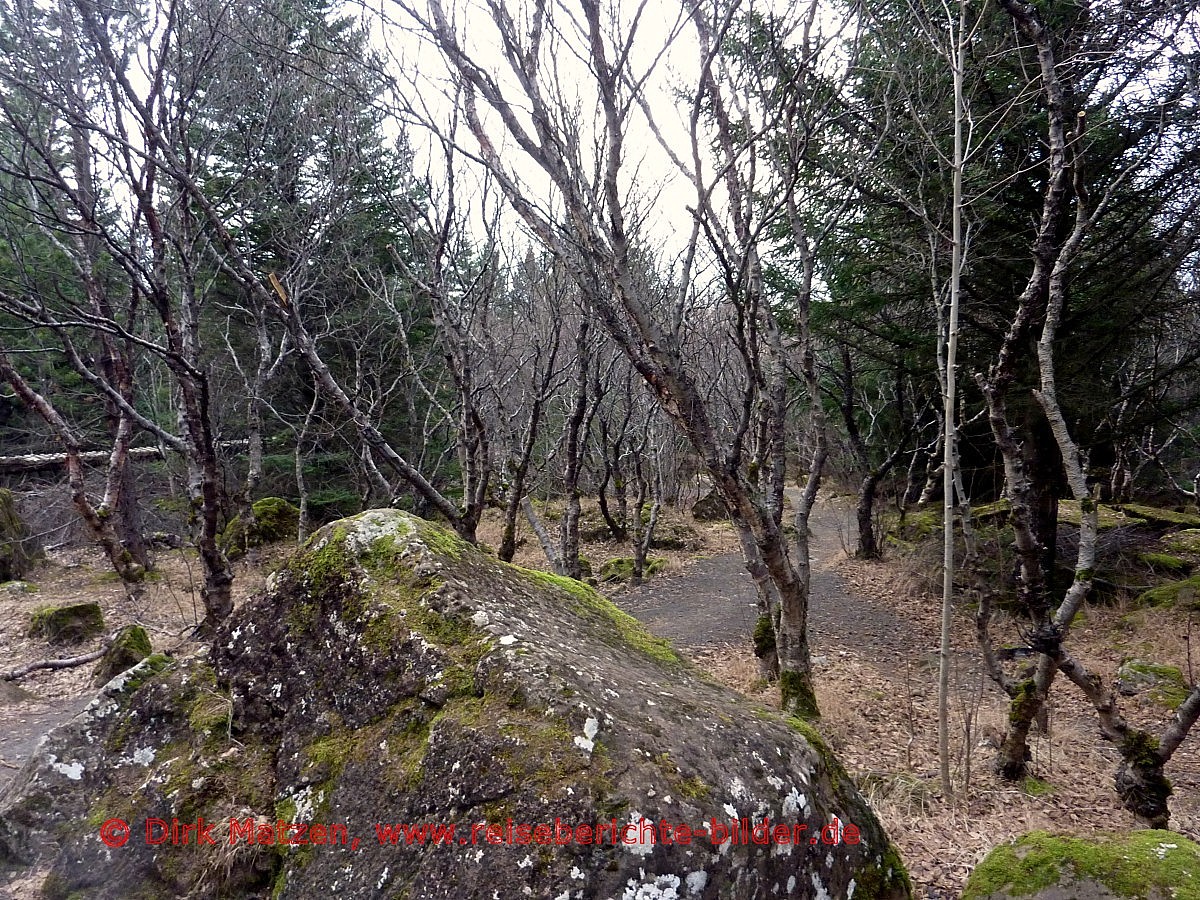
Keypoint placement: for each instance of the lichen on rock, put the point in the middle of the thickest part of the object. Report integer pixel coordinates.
(394, 675)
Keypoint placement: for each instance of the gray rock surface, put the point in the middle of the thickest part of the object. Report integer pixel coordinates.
(393, 675)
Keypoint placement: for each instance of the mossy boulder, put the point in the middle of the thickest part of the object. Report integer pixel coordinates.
(620, 568)
(1185, 593)
(393, 675)
(710, 508)
(129, 647)
(18, 551)
(71, 624)
(274, 520)
(1140, 865)
(1165, 684)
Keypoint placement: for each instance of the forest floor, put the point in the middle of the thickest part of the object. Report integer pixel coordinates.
(874, 633)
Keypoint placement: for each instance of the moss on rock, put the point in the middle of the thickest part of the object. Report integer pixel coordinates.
(1157, 516)
(129, 647)
(1177, 593)
(275, 519)
(620, 568)
(1165, 684)
(1186, 541)
(71, 624)
(1141, 865)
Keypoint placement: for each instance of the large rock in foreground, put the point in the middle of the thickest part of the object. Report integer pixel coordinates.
(393, 678)
(1141, 865)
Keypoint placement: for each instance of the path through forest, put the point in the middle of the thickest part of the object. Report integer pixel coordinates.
(713, 601)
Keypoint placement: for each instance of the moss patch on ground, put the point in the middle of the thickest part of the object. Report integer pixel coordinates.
(1165, 562)
(1106, 516)
(1132, 866)
(1158, 516)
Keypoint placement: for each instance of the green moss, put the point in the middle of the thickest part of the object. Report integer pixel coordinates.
(1159, 516)
(1169, 686)
(620, 568)
(1136, 866)
(73, 623)
(327, 567)
(797, 696)
(1177, 592)
(210, 713)
(997, 510)
(887, 878)
(443, 542)
(1025, 703)
(1035, 787)
(1187, 541)
(1069, 513)
(764, 637)
(148, 669)
(591, 605)
(692, 788)
(1165, 562)
(274, 520)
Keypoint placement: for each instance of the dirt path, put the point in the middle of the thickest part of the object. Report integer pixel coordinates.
(713, 601)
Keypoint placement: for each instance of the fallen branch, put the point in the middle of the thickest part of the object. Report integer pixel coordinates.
(69, 663)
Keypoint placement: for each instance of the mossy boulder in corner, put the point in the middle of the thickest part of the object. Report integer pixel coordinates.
(392, 675)
(18, 551)
(70, 624)
(129, 647)
(1140, 865)
(1184, 593)
(274, 520)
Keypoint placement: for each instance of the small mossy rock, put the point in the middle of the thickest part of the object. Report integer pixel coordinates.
(1165, 684)
(1185, 594)
(18, 587)
(129, 647)
(70, 624)
(710, 508)
(392, 673)
(18, 551)
(620, 568)
(1140, 865)
(1186, 541)
(274, 520)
